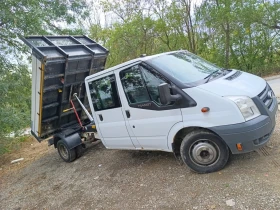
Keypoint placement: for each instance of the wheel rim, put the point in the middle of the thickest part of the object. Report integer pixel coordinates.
(63, 151)
(204, 152)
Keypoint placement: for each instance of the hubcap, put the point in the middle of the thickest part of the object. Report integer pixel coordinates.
(204, 153)
(63, 151)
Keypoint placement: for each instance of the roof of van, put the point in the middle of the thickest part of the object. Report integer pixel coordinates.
(128, 63)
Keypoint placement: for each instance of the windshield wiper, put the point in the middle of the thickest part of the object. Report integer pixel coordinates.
(226, 71)
(212, 74)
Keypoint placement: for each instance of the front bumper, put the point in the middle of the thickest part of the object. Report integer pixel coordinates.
(252, 134)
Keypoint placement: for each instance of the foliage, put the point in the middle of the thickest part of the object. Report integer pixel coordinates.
(242, 32)
(233, 34)
(31, 17)
(15, 102)
(15, 91)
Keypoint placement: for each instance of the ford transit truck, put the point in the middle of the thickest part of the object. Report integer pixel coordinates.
(174, 102)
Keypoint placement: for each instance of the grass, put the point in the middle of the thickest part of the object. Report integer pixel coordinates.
(10, 144)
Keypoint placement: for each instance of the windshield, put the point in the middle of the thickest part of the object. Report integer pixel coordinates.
(185, 66)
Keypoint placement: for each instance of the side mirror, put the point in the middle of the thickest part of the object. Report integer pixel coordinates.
(165, 96)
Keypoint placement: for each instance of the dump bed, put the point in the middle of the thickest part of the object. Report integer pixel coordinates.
(59, 66)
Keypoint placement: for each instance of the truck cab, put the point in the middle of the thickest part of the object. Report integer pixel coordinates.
(178, 102)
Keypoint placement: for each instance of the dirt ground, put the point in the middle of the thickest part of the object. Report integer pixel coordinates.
(115, 179)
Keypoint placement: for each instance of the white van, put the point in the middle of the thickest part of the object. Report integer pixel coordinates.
(178, 102)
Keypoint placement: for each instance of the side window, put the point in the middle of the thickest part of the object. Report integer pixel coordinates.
(104, 93)
(153, 80)
(134, 85)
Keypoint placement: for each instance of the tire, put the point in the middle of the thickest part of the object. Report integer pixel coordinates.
(79, 151)
(204, 152)
(68, 155)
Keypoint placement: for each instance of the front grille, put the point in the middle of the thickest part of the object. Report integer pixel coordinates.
(267, 97)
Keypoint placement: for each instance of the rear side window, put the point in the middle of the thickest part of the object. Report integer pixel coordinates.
(104, 93)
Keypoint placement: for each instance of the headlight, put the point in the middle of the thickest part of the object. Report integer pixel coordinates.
(246, 105)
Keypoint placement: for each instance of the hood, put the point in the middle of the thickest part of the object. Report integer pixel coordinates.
(236, 83)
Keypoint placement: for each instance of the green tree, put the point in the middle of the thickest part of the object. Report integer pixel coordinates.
(233, 34)
(240, 34)
(19, 18)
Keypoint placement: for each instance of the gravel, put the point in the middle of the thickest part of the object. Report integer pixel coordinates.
(115, 179)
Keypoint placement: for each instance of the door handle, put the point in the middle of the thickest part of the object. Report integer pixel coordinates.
(127, 113)
(100, 117)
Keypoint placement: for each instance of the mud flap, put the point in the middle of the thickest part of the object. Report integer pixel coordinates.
(71, 141)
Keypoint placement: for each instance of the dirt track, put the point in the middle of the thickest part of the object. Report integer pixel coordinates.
(113, 179)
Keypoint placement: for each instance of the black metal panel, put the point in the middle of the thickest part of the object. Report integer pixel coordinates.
(84, 40)
(55, 46)
(67, 61)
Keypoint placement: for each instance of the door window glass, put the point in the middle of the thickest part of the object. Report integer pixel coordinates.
(153, 80)
(104, 93)
(134, 86)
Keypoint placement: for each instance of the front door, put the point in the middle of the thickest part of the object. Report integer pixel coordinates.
(108, 113)
(149, 120)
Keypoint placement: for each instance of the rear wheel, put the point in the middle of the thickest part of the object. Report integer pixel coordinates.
(204, 152)
(68, 155)
(79, 150)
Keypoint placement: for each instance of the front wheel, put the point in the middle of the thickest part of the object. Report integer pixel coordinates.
(68, 155)
(204, 152)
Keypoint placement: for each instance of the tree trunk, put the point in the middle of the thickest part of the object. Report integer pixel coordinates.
(227, 46)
